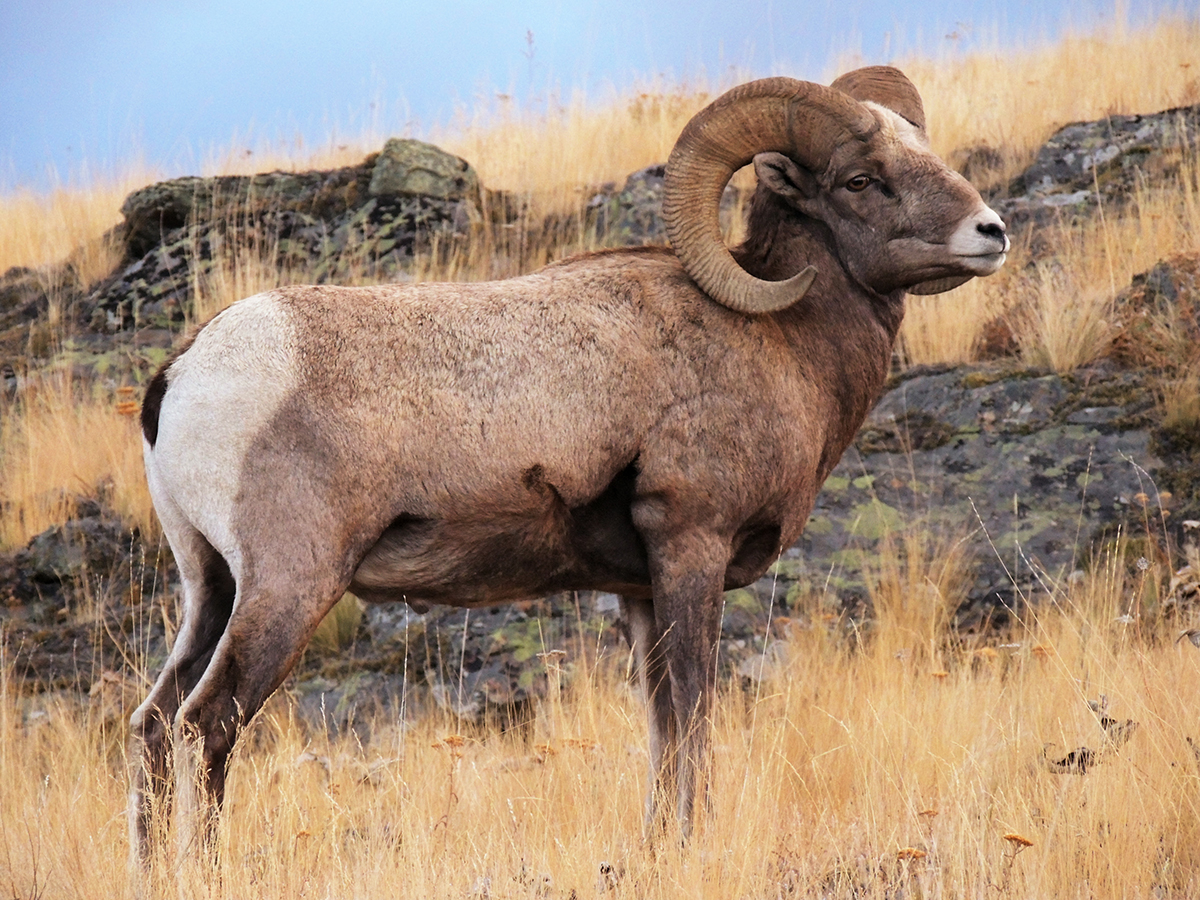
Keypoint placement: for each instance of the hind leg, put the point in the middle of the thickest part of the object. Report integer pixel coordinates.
(208, 594)
(272, 621)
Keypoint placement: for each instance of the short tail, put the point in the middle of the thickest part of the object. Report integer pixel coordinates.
(152, 404)
(157, 389)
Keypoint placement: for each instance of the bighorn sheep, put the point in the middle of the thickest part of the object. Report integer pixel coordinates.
(652, 423)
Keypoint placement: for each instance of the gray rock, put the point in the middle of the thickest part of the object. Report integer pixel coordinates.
(71, 600)
(239, 200)
(355, 701)
(1162, 301)
(317, 226)
(1108, 150)
(416, 169)
(67, 552)
(1095, 415)
(1085, 164)
(632, 216)
(1029, 466)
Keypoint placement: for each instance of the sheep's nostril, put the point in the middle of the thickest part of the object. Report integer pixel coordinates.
(991, 229)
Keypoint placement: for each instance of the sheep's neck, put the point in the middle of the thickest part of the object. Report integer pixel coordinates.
(842, 334)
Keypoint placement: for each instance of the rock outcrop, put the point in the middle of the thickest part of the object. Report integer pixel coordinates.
(632, 215)
(1037, 473)
(1088, 164)
(367, 220)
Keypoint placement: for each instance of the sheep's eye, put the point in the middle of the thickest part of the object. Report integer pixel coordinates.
(858, 183)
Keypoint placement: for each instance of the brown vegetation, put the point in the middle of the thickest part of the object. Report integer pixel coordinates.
(862, 764)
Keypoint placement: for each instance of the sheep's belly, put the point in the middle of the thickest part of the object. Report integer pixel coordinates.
(481, 563)
(500, 556)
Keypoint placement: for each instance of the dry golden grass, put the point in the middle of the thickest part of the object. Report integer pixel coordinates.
(238, 272)
(916, 583)
(553, 158)
(1063, 324)
(1180, 401)
(1066, 320)
(67, 224)
(949, 328)
(1012, 101)
(59, 443)
(855, 770)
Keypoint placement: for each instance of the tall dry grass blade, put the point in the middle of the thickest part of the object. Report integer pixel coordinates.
(857, 757)
(1063, 324)
(67, 224)
(951, 327)
(916, 582)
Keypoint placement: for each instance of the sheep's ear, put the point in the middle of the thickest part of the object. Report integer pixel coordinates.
(784, 177)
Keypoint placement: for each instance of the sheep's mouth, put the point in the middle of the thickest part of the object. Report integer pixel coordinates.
(944, 269)
(939, 260)
(984, 263)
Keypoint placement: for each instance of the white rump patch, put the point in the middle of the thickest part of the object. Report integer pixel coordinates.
(220, 394)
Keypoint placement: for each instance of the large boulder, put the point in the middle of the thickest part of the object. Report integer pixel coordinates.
(155, 211)
(365, 220)
(91, 548)
(1038, 470)
(416, 169)
(75, 602)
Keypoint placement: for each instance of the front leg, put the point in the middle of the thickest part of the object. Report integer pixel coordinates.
(650, 664)
(688, 575)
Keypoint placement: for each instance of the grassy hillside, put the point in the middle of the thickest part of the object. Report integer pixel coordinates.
(894, 759)
(907, 760)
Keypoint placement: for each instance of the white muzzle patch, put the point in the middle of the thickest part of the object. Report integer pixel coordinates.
(980, 241)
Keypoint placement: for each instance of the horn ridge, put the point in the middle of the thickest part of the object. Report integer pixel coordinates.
(887, 86)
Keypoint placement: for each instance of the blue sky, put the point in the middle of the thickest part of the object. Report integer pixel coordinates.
(104, 81)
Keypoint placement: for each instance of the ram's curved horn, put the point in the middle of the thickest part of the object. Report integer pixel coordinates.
(888, 87)
(805, 121)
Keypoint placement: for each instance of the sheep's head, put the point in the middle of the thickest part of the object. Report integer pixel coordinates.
(854, 156)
